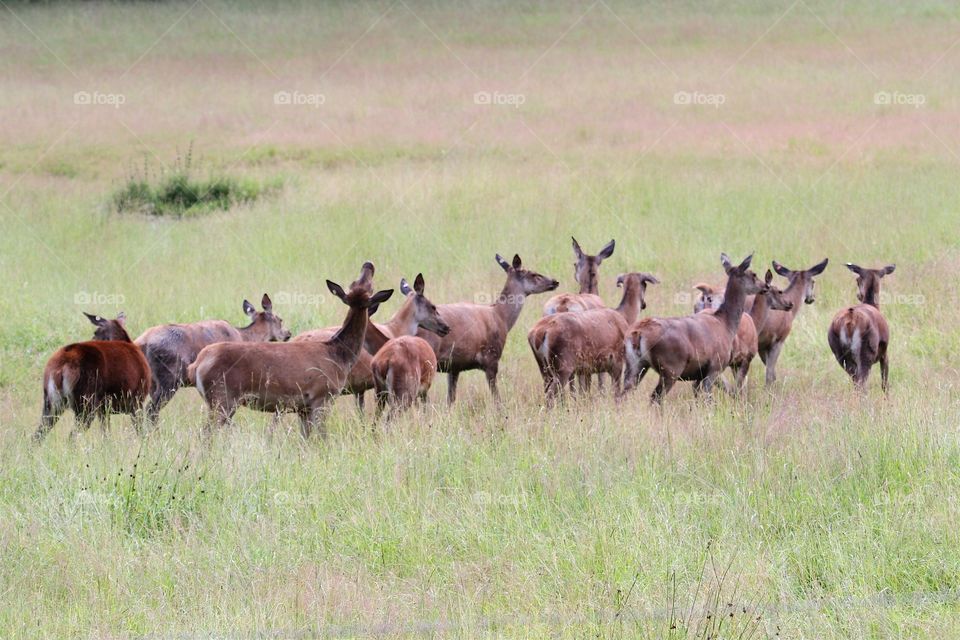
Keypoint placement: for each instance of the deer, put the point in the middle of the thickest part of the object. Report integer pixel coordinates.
(478, 332)
(417, 311)
(745, 343)
(277, 377)
(589, 341)
(859, 335)
(403, 370)
(108, 374)
(696, 348)
(171, 348)
(585, 272)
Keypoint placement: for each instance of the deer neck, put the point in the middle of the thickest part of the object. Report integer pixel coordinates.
(589, 285)
(759, 310)
(731, 308)
(253, 332)
(795, 294)
(374, 339)
(629, 306)
(404, 321)
(509, 303)
(872, 296)
(349, 339)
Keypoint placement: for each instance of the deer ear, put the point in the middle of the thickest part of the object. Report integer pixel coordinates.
(620, 279)
(418, 284)
(607, 251)
(746, 263)
(503, 263)
(249, 309)
(516, 261)
(703, 288)
(380, 297)
(405, 287)
(646, 277)
(97, 320)
(818, 269)
(725, 261)
(372, 309)
(122, 319)
(336, 290)
(266, 303)
(577, 251)
(887, 270)
(780, 269)
(856, 269)
(768, 277)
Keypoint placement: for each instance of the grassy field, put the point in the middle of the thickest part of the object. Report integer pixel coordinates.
(427, 137)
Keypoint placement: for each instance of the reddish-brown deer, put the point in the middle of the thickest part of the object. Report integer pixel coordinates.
(171, 348)
(696, 348)
(859, 335)
(745, 343)
(108, 374)
(277, 377)
(478, 332)
(403, 371)
(417, 311)
(587, 342)
(586, 272)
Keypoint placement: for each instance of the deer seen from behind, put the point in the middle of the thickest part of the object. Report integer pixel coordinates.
(859, 335)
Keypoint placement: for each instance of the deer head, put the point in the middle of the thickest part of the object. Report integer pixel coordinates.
(109, 329)
(425, 312)
(586, 267)
(265, 325)
(523, 281)
(801, 279)
(868, 282)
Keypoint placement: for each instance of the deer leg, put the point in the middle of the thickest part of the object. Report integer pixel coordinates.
(48, 417)
(316, 419)
(452, 378)
(358, 397)
(84, 419)
(771, 361)
(382, 398)
(600, 382)
(491, 373)
(884, 367)
(162, 392)
(583, 381)
(663, 388)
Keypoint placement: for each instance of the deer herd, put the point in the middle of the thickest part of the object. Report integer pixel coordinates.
(260, 367)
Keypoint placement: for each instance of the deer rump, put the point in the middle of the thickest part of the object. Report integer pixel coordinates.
(171, 348)
(580, 342)
(856, 335)
(685, 348)
(403, 369)
(567, 302)
(97, 376)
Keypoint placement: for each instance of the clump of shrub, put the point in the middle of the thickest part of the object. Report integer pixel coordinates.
(176, 192)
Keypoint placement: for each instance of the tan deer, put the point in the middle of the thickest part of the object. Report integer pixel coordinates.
(587, 342)
(96, 378)
(301, 377)
(586, 272)
(745, 343)
(415, 312)
(171, 348)
(696, 348)
(859, 335)
(478, 332)
(403, 371)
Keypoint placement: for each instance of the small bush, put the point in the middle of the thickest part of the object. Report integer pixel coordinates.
(178, 194)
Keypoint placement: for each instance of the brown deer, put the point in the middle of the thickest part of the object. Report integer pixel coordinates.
(696, 348)
(108, 374)
(745, 343)
(300, 377)
(587, 342)
(859, 335)
(403, 371)
(478, 332)
(417, 311)
(171, 348)
(585, 271)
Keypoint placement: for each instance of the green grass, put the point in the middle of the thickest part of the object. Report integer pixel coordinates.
(827, 514)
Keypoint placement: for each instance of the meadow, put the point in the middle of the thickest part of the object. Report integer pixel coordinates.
(427, 137)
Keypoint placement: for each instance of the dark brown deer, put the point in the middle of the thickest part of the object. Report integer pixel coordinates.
(745, 343)
(403, 371)
(417, 311)
(171, 348)
(859, 335)
(105, 375)
(478, 332)
(696, 348)
(586, 272)
(587, 342)
(277, 377)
